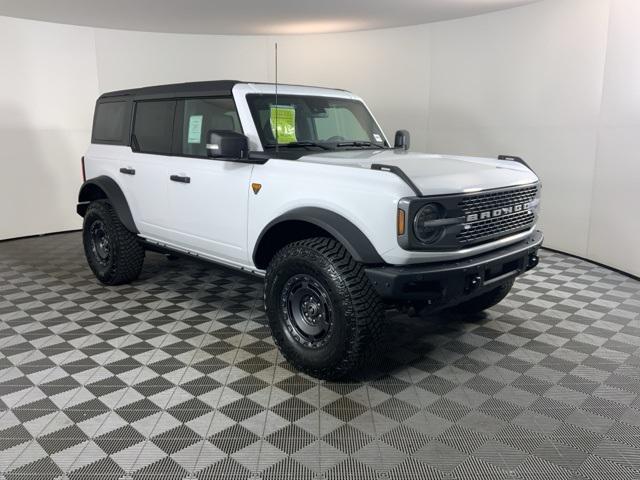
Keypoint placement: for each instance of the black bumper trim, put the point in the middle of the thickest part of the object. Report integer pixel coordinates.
(448, 283)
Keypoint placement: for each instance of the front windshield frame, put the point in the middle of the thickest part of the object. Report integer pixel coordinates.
(257, 103)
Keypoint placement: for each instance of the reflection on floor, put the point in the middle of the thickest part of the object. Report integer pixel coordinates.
(176, 376)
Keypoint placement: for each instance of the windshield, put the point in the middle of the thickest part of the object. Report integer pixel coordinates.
(314, 122)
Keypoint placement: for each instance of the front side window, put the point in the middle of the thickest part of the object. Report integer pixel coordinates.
(153, 126)
(201, 115)
(300, 120)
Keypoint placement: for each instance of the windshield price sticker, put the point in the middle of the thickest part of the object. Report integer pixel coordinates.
(283, 123)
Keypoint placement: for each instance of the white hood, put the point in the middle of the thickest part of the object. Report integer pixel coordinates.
(435, 174)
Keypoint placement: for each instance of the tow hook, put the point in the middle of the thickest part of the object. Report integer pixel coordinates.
(416, 309)
(411, 310)
(473, 283)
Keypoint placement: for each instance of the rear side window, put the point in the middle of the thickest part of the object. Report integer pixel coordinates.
(109, 122)
(153, 126)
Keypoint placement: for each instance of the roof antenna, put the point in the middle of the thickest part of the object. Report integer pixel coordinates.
(277, 141)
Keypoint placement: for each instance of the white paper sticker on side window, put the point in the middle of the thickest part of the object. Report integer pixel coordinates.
(377, 137)
(195, 129)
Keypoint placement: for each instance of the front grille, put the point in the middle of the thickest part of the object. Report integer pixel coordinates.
(503, 198)
(485, 229)
(489, 228)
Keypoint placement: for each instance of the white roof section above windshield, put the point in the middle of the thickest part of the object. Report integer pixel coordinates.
(270, 88)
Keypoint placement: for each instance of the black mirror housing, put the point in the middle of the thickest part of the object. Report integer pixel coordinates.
(227, 144)
(402, 140)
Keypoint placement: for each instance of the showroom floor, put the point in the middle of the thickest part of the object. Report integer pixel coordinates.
(177, 375)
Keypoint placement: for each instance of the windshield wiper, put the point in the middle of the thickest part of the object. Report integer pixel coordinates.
(359, 143)
(298, 144)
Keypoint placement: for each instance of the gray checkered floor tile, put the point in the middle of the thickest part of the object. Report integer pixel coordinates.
(176, 376)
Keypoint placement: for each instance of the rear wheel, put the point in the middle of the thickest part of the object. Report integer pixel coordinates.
(114, 253)
(324, 314)
(484, 301)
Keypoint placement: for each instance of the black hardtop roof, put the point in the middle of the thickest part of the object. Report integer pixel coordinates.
(213, 87)
(217, 87)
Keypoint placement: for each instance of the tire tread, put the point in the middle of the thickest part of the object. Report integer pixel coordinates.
(364, 307)
(129, 255)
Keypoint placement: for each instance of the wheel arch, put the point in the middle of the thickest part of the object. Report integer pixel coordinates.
(104, 187)
(306, 222)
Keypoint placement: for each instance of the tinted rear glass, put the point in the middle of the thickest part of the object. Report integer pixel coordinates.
(110, 121)
(153, 126)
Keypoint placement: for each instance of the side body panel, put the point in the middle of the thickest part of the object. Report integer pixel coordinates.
(105, 160)
(146, 190)
(209, 214)
(366, 198)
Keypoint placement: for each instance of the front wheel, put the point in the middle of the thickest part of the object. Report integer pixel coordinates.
(114, 253)
(323, 312)
(484, 301)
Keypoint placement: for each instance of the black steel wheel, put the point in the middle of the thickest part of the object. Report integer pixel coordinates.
(100, 246)
(307, 310)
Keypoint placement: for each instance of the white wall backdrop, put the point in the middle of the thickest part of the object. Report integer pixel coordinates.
(557, 82)
(389, 68)
(527, 82)
(614, 233)
(48, 84)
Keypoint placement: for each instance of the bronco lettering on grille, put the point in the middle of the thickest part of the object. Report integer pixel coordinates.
(498, 212)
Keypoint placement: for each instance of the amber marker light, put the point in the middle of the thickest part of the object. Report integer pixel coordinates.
(256, 187)
(401, 221)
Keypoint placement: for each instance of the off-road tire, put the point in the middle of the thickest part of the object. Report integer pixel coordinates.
(356, 309)
(484, 301)
(126, 254)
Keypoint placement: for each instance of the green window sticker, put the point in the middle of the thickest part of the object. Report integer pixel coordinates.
(283, 123)
(195, 129)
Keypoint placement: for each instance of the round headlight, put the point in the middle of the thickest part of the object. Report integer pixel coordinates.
(424, 232)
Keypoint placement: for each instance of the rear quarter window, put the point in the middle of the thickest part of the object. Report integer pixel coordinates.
(153, 126)
(109, 123)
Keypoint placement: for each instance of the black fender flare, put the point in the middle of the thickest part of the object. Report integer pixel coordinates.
(106, 187)
(350, 236)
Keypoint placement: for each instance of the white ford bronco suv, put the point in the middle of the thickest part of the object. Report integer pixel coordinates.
(301, 186)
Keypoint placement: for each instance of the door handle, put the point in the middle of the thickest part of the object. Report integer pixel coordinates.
(128, 171)
(179, 178)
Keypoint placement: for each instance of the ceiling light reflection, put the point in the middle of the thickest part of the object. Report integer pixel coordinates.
(318, 26)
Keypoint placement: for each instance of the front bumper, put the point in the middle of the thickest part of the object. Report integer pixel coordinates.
(444, 284)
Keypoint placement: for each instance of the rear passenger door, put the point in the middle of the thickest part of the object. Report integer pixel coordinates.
(207, 197)
(143, 172)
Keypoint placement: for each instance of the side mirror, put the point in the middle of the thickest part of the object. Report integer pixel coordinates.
(227, 144)
(402, 140)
